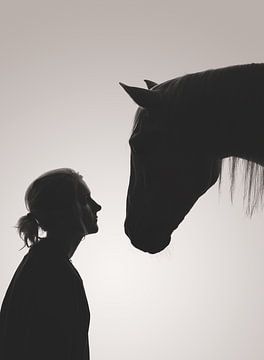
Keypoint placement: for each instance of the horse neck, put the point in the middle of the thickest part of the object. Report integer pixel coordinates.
(244, 143)
(248, 146)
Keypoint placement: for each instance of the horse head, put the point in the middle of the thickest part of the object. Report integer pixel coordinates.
(168, 173)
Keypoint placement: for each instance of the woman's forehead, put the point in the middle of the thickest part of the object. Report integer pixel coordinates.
(84, 189)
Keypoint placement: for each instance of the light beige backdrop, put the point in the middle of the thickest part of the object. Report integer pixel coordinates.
(61, 106)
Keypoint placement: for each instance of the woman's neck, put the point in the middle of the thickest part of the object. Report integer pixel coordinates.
(64, 243)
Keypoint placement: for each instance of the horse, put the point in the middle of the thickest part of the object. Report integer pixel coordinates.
(183, 130)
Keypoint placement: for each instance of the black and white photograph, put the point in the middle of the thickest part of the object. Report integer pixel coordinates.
(132, 180)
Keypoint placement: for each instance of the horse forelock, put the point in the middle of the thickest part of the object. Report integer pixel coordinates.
(137, 118)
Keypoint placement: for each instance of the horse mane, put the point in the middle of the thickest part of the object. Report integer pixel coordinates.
(253, 181)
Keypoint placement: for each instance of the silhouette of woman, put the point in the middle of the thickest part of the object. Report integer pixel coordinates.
(45, 314)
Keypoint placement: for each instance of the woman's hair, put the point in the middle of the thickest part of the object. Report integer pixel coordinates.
(49, 199)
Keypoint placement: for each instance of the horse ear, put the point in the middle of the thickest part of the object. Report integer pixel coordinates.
(143, 97)
(150, 84)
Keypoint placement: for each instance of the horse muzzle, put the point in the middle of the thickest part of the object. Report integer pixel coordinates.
(146, 238)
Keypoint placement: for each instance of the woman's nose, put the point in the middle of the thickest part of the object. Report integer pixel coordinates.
(97, 206)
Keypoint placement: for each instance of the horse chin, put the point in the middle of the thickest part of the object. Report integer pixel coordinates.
(152, 247)
(151, 241)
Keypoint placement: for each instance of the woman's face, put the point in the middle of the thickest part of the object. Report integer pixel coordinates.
(89, 209)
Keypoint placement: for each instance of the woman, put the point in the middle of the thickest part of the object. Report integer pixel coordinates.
(45, 313)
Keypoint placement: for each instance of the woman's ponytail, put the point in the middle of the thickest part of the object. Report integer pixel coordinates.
(28, 229)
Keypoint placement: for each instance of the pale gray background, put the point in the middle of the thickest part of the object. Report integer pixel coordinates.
(61, 106)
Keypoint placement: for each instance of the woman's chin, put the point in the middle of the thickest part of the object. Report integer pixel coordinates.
(92, 229)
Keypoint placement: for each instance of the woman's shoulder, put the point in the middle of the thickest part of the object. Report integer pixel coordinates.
(51, 263)
(45, 271)
(53, 280)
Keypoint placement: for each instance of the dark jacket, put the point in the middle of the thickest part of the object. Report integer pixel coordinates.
(45, 314)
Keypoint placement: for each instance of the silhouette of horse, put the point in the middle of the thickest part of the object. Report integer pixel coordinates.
(183, 130)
